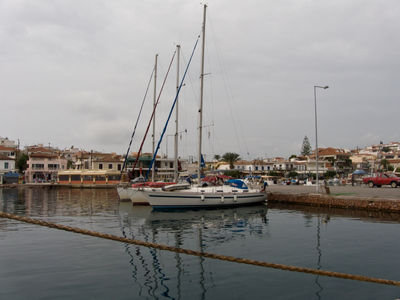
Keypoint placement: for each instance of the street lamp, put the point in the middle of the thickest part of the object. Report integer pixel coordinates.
(316, 130)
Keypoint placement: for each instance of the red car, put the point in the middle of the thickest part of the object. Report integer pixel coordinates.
(380, 179)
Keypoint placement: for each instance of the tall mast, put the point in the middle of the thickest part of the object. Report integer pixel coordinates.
(201, 93)
(178, 48)
(154, 117)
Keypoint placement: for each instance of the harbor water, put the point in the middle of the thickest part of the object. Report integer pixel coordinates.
(42, 263)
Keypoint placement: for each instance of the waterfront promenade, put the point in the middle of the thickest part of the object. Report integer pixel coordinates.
(386, 192)
(355, 197)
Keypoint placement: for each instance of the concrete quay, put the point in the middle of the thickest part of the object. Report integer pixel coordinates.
(385, 199)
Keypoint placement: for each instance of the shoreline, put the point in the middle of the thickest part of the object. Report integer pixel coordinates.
(56, 185)
(383, 199)
(346, 197)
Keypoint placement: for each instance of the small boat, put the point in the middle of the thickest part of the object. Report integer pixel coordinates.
(203, 197)
(134, 191)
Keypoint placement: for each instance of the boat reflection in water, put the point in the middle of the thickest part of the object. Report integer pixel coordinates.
(189, 229)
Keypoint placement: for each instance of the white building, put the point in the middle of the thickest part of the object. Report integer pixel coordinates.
(7, 164)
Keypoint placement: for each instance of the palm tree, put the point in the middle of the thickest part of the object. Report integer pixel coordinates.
(230, 158)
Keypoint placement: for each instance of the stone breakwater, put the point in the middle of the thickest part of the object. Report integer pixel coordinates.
(324, 200)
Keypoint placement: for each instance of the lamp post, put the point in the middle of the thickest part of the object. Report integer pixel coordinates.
(316, 130)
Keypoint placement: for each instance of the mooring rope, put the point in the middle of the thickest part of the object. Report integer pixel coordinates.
(199, 253)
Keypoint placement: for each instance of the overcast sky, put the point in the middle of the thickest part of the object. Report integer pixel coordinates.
(75, 73)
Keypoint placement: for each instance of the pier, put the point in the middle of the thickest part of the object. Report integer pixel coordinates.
(385, 199)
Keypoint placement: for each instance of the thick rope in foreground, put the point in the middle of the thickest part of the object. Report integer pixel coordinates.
(198, 253)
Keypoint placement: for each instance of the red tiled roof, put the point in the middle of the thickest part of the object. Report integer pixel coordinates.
(5, 157)
(39, 149)
(242, 162)
(108, 159)
(393, 161)
(329, 152)
(4, 148)
(44, 155)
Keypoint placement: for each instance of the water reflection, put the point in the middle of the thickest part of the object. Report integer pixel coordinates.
(319, 255)
(309, 212)
(58, 201)
(190, 229)
(268, 233)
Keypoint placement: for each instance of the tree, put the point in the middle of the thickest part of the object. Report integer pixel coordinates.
(306, 148)
(292, 156)
(217, 156)
(385, 149)
(233, 173)
(274, 173)
(330, 174)
(230, 158)
(384, 164)
(293, 174)
(70, 163)
(20, 164)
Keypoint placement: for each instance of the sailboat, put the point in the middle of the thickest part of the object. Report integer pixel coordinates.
(133, 190)
(178, 196)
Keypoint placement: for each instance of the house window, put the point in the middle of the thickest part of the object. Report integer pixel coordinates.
(262, 168)
(110, 166)
(100, 166)
(256, 168)
(171, 165)
(6, 165)
(119, 167)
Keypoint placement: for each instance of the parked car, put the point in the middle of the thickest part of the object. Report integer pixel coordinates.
(380, 179)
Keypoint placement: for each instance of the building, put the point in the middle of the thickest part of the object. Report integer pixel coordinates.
(43, 166)
(8, 151)
(7, 143)
(106, 161)
(164, 166)
(339, 159)
(7, 164)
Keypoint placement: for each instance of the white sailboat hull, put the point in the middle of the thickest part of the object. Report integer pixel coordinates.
(135, 195)
(198, 199)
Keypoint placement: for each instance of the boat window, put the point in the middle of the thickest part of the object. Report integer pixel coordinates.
(87, 177)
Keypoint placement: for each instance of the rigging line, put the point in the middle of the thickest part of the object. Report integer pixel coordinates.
(228, 89)
(212, 97)
(137, 120)
(200, 253)
(195, 95)
(172, 108)
(154, 110)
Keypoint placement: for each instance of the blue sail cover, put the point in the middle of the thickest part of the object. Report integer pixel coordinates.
(237, 183)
